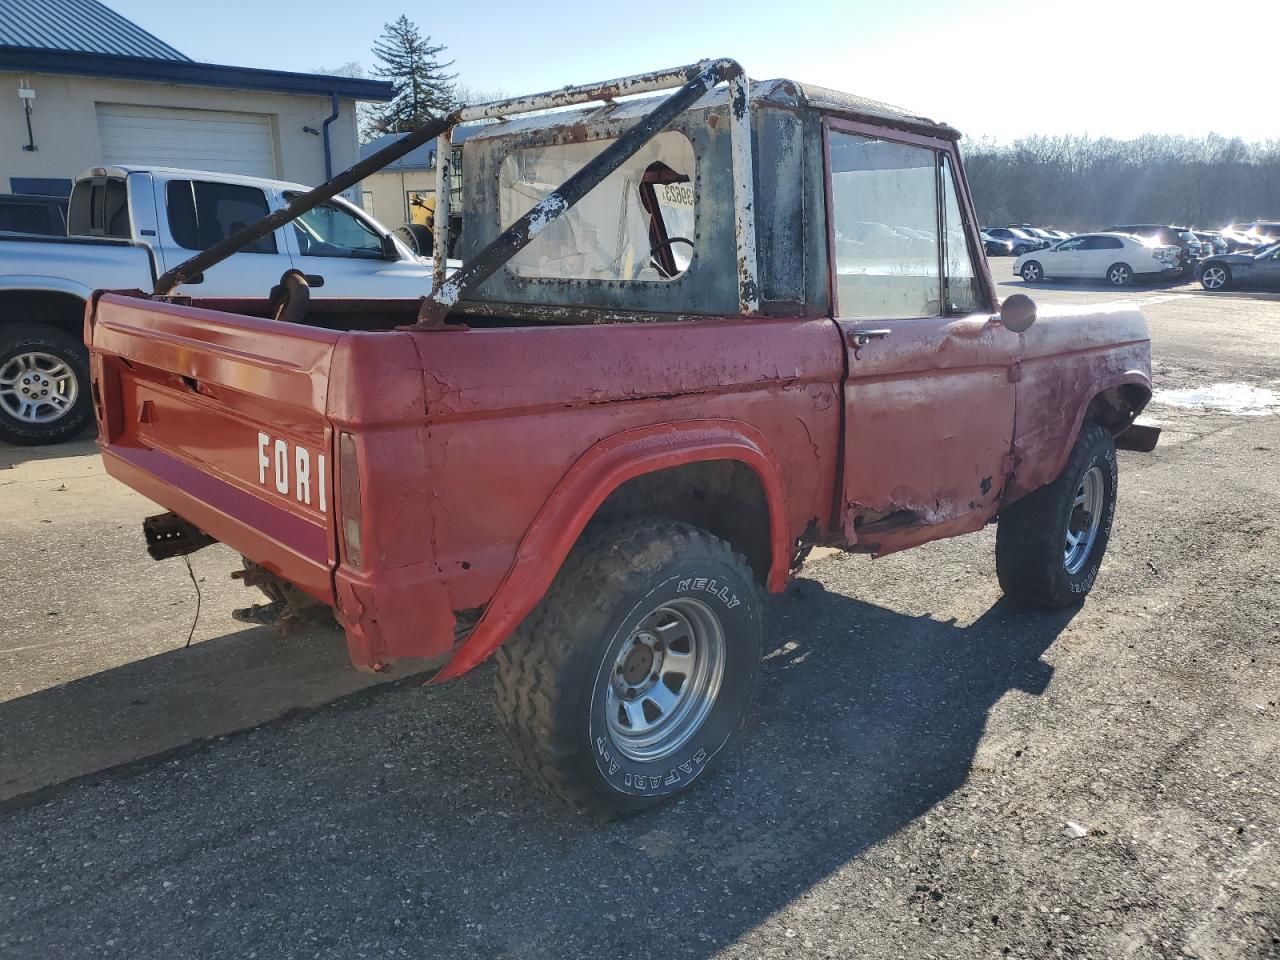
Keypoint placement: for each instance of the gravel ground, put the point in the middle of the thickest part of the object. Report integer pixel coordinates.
(917, 749)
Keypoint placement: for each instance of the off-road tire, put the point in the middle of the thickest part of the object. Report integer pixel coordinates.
(1031, 533)
(554, 673)
(26, 338)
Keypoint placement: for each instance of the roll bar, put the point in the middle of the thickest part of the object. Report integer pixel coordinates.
(692, 81)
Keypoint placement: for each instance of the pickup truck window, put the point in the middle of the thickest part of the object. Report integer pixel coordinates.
(638, 224)
(884, 199)
(99, 207)
(330, 231)
(36, 218)
(202, 213)
(964, 292)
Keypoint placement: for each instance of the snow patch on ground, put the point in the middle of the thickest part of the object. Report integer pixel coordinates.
(1238, 398)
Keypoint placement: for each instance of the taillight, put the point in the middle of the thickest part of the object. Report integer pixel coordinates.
(349, 499)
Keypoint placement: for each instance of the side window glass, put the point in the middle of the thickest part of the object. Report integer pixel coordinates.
(963, 291)
(1075, 244)
(884, 209)
(329, 230)
(1110, 243)
(202, 213)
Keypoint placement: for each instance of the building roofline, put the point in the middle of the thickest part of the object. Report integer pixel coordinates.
(189, 73)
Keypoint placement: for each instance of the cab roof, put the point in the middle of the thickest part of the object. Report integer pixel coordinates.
(786, 94)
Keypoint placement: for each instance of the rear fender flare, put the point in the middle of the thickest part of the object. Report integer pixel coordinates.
(588, 483)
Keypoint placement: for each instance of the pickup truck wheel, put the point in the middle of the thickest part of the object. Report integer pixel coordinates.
(44, 384)
(635, 671)
(1049, 544)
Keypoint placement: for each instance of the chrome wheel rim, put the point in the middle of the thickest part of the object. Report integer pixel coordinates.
(1119, 276)
(1031, 273)
(1214, 278)
(37, 387)
(664, 679)
(1085, 519)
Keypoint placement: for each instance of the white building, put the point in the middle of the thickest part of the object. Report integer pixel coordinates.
(80, 86)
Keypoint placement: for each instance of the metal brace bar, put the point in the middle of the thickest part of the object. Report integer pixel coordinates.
(299, 205)
(694, 81)
(440, 225)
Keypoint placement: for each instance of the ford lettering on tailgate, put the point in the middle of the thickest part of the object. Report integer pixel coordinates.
(292, 469)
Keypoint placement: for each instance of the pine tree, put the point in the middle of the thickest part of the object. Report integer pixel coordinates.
(422, 87)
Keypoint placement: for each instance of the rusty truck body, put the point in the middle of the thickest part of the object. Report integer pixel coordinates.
(692, 337)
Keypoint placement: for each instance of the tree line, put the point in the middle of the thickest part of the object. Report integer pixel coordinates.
(1070, 182)
(1081, 183)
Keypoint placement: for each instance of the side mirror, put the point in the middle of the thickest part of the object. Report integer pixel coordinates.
(1017, 312)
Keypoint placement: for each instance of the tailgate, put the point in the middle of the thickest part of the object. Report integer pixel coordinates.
(221, 418)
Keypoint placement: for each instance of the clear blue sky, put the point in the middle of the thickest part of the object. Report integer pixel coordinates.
(1000, 68)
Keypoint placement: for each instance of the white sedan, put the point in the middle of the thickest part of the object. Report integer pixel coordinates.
(1115, 257)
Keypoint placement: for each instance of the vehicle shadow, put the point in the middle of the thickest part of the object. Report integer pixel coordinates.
(1185, 286)
(1180, 284)
(81, 445)
(133, 713)
(399, 822)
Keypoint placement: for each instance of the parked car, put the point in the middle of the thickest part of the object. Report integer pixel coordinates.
(1217, 243)
(1118, 258)
(1238, 242)
(127, 224)
(1242, 270)
(1022, 242)
(533, 464)
(1165, 235)
(1047, 236)
(1266, 231)
(996, 246)
(24, 213)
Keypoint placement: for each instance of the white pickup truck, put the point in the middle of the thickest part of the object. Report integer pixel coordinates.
(126, 226)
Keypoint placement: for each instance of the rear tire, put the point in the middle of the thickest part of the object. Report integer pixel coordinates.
(1050, 544)
(44, 384)
(1120, 275)
(589, 689)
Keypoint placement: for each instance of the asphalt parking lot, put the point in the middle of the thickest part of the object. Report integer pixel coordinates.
(918, 745)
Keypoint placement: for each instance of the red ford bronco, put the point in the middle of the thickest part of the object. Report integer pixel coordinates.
(692, 336)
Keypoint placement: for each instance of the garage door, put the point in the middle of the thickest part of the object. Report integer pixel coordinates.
(195, 139)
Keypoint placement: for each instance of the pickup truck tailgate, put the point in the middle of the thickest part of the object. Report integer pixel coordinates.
(221, 419)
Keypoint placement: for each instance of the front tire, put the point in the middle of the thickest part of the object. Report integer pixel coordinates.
(44, 385)
(1119, 275)
(634, 673)
(1032, 272)
(1215, 277)
(1050, 544)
